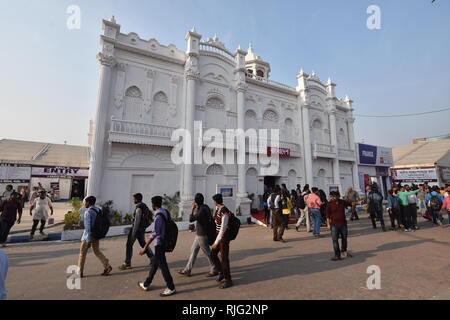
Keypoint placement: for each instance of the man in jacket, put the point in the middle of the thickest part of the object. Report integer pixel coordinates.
(137, 231)
(162, 216)
(406, 208)
(375, 202)
(205, 228)
(87, 239)
(11, 211)
(433, 196)
(222, 243)
(278, 221)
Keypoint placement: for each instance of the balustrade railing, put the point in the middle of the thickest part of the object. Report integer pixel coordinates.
(144, 129)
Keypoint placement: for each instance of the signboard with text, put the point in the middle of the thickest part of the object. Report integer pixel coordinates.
(373, 155)
(414, 175)
(14, 173)
(282, 152)
(59, 172)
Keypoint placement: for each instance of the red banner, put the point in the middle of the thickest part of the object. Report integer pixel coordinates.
(282, 152)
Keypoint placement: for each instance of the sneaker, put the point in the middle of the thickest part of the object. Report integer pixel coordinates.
(408, 230)
(282, 240)
(31, 237)
(125, 267)
(42, 233)
(184, 272)
(143, 287)
(416, 228)
(107, 271)
(221, 277)
(296, 228)
(168, 292)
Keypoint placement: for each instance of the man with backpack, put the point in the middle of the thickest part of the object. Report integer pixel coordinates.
(162, 237)
(407, 210)
(375, 203)
(206, 235)
(89, 239)
(434, 202)
(143, 218)
(304, 212)
(222, 243)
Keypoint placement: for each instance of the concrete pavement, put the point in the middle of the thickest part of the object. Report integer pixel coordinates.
(413, 266)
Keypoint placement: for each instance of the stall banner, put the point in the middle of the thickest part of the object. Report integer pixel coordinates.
(445, 175)
(415, 175)
(61, 172)
(367, 154)
(15, 173)
(373, 155)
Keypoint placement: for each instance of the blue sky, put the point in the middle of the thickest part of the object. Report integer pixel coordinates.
(49, 77)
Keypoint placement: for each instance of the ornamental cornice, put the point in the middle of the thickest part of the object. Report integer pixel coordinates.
(241, 87)
(192, 75)
(105, 60)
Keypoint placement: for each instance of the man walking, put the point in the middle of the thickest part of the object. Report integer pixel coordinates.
(278, 221)
(222, 243)
(206, 234)
(41, 206)
(337, 224)
(11, 211)
(394, 210)
(162, 217)
(353, 197)
(375, 203)
(314, 204)
(434, 202)
(87, 239)
(142, 220)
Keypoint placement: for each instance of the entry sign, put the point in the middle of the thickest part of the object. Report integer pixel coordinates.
(282, 152)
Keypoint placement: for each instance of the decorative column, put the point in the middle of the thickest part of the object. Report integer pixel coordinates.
(302, 88)
(192, 75)
(351, 134)
(98, 148)
(334, 142)
(242, 200)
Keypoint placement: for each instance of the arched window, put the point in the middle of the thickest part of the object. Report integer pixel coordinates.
(317, 124)
(249, 71)
(215, 113)
(160, 109)
(288, 129)
(251, 121)
(260, 73)
(292, 179)
(317, 131)
(215, 170)
(133, 110)
(270, 119)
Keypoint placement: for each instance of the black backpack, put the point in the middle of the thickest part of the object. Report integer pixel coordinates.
(146, 216)
(234, 225)
(171, 234)
(209, 225)
(300, 202)
(101, 225)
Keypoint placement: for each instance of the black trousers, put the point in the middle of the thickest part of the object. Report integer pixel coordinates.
(278, 225)
(377, 214)
(159, 261)
(403, 211)
(35, 224)
(395, 216)
(410, 212)
(140, 237)
(5, 227)
(413, 210)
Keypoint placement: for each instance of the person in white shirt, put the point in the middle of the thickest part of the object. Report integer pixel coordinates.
(3, 273)
(41, 207)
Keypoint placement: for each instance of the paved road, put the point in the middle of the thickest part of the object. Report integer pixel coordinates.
(413, 266)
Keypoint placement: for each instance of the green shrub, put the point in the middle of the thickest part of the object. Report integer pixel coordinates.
(71, 220)
(76, 204)
(171, 204)
(128, 218)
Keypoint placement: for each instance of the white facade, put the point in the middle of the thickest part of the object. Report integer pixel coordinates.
(147, 90)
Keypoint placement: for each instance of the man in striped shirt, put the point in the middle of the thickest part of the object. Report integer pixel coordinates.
(222, 243)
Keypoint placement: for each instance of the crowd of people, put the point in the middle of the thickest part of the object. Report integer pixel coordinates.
(311, 207)
(212, 237)
(12, 204)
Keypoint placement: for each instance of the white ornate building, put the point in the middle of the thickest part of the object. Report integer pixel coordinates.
(147, 90)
